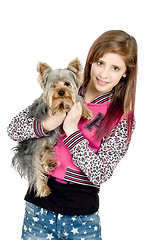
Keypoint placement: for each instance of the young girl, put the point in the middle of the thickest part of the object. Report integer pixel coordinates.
(89, 151)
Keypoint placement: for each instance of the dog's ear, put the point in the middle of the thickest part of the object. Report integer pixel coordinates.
(76, 67)
(43, 70)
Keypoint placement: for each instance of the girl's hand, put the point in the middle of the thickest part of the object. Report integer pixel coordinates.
(53, 121)
(70, 124)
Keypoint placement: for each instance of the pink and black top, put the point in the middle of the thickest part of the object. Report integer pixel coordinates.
(84, 163)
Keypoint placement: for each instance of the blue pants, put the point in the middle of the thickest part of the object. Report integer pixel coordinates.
(41, 224)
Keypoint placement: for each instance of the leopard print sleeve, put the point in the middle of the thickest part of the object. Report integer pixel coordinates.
(99, 166)
(23, 127)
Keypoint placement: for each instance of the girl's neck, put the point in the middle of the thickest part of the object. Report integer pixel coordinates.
(90, 94)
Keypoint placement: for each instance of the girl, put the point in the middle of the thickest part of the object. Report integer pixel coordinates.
(89, 151)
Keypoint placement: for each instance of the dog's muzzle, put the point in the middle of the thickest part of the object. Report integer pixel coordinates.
(61, 93)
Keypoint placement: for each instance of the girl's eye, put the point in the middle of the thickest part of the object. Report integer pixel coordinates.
(100, 63)
(66, 83)
(115, 68)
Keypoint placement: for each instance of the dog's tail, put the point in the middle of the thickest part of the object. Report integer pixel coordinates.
(23, 159)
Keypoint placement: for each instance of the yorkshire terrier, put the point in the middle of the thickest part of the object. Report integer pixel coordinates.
(34, 158)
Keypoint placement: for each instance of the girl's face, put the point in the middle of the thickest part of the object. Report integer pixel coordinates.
(106, 73)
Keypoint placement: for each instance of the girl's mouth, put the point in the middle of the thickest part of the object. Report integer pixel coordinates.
(101, 82)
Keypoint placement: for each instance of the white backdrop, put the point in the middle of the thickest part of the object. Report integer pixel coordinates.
(56, 32)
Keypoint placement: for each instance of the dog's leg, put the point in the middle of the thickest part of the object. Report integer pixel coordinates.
(47, 164)
(47, 159)
(40, 186)
(86, 113)
(42, 189)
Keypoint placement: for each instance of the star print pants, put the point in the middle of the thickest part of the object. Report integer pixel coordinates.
(41, 224)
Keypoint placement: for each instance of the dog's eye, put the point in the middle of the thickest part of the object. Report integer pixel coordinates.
(66, 83)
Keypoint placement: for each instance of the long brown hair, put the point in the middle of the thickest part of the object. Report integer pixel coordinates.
(123, 101)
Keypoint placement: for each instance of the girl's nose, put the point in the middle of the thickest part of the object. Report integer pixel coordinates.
(104, 73)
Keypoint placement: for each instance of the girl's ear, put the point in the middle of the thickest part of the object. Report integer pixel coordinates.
(43, 70)
(76, 67)
(125, 75)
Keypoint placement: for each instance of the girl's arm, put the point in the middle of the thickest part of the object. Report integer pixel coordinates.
(99, 166)
(23, 127)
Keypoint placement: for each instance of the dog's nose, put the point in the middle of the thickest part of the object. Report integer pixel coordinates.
(61, 93)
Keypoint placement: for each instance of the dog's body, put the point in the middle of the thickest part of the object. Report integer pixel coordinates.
(34, 158)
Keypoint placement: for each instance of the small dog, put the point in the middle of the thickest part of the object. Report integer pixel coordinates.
(34, 158)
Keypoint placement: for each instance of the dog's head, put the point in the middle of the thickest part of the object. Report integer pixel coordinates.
(60, 86)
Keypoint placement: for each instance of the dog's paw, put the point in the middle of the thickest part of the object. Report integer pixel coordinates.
(45, 191)
(52, 165)
(87, 114)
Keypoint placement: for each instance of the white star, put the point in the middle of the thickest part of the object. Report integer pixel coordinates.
(82, 239)
(30, 229)
(49, 236)
(64, 224)
(41, 211)
(85, 232)
(73, 219)
(35, 219)
(84, 223)
(59, 216)
(95, 228)
(65, 234)
(91, 219)
(75, 230)
(51, 221)
(25, 228)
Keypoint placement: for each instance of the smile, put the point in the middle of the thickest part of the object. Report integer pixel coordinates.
(101, 82)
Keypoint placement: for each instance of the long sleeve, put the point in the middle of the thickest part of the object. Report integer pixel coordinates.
(99, 166)
(23, 127)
